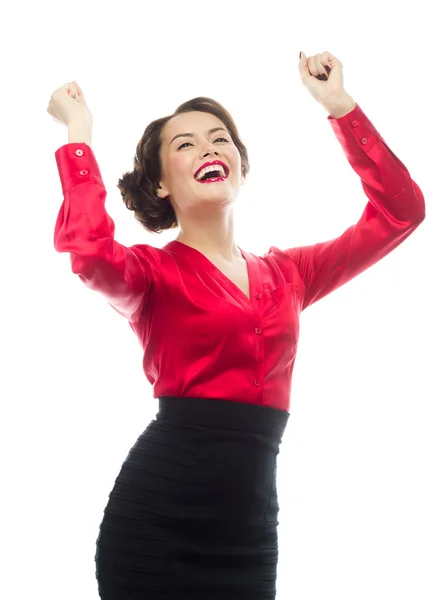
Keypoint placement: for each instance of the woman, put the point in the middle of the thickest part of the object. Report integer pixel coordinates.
(194, 509)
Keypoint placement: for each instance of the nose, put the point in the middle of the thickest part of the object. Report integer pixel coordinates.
(207, 153)
(211, 149)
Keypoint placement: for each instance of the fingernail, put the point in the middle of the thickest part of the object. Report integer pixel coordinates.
(328, 69)
(300, 55)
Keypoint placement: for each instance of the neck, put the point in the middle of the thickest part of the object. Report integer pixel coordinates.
(214, 241)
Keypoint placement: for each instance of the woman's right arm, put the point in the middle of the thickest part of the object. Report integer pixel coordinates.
(124, 276)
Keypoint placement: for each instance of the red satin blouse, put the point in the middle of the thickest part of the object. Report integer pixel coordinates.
(201, 336)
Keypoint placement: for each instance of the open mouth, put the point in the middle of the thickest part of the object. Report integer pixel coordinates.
(212, 172)
(213, 177)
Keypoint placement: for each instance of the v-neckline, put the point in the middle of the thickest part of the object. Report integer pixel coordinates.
(223, 275)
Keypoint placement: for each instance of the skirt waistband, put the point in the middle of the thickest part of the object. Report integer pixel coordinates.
(223, 414)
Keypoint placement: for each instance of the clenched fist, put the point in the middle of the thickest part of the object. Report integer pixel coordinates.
(68, 106)
(321, 74)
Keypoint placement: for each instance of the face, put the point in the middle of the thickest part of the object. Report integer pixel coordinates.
(183, 156)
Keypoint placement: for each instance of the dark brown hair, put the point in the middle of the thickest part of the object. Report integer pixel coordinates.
(138, 187)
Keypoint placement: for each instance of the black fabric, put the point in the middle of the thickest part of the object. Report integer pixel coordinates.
(194, 510)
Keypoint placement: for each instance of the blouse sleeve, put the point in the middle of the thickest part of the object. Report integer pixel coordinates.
(124, 276)
(395, 208)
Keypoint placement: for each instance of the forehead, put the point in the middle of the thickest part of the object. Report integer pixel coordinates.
(191, 122)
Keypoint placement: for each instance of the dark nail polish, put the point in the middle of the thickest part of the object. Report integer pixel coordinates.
(328, 69)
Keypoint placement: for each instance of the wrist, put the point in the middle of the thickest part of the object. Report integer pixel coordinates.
(339, 105)
(79, 132)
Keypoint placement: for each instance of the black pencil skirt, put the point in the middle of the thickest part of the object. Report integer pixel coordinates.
(194, 510)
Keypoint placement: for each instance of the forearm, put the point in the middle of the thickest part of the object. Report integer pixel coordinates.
(79, 132)
(339, 106)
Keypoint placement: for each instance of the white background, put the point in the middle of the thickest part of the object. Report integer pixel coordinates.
(362, 471)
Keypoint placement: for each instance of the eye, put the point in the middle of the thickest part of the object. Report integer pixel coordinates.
(191, 144)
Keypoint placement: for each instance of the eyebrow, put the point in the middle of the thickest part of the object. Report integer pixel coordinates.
(192, 135)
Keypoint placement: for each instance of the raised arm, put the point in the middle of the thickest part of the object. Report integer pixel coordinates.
(395, 208)
(124, 276)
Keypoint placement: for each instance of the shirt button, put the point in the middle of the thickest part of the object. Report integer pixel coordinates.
(79, 152)
(257, 382)
(364, 140)
(257, 330)
(83, 172)
(258, 295)
(354, 123)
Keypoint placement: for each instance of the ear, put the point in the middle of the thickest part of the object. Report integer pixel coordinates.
(162, 192)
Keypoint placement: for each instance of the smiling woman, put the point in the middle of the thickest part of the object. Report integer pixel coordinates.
(139, 188)
(194, 510)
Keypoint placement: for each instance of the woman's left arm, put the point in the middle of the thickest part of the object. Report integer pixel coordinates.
(396, 204)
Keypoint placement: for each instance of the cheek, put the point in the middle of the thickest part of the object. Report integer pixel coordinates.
(179, 163)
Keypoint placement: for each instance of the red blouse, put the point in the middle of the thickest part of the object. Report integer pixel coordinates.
(201, 336)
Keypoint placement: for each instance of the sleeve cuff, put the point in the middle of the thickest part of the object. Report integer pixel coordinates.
(77, 164)
(355, 131)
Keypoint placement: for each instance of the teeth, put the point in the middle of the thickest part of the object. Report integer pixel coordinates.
(205, 170)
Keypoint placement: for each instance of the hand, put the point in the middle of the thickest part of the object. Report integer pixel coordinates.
(319, 66)
(67, 105)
